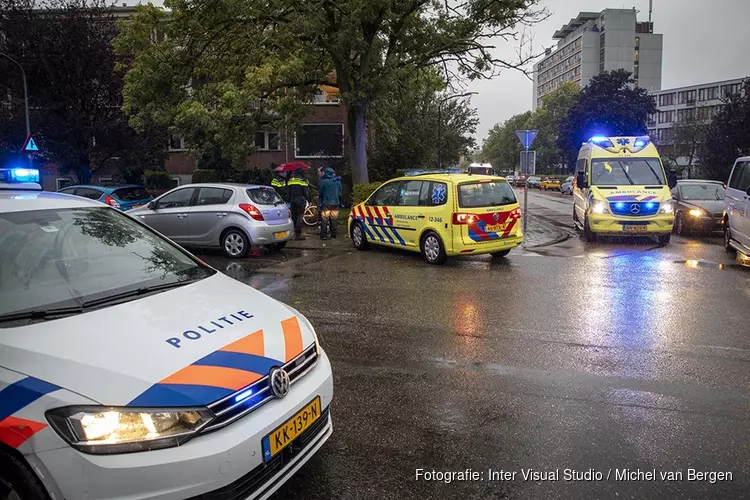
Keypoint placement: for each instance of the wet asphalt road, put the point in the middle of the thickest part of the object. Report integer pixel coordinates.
(620, 355)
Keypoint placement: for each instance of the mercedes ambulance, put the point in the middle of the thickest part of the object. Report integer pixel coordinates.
(440, 214)
(129, 369)
(620, 188)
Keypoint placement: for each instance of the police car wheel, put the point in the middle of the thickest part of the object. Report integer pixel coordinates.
(432, 249)
(18, 482)
(235, 244)
(358, 237)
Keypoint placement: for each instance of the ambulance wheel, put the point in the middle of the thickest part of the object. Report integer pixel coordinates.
(432, 248)
(358, 236)
(235, 244)
(501, 253)
(18, 481)
(587, 232)
(664, 239)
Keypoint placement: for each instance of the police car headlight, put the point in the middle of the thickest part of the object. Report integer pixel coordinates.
(667, 207)
(105, 430)
(599, 207)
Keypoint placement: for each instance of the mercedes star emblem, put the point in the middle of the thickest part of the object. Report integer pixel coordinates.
(496, 216)
(635, 208)
(279, 382)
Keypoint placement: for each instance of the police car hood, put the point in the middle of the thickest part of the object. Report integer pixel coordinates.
(187, 346)
(631, 193)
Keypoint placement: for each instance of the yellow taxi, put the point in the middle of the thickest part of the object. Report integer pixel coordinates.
(548, 183)
(440, 214)
(621, 188)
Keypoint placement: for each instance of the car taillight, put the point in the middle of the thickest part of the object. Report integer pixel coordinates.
(111, 201)
(460, 218)
(252, 211)
(515, 214)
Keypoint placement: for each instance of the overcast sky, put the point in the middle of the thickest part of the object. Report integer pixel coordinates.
(704, 41)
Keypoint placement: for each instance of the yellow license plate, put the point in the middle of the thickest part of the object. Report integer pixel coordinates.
(495, 228)
(289, 430)
(280, 235)
(635, 229)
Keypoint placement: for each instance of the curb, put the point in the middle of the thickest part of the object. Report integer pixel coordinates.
(563, 235)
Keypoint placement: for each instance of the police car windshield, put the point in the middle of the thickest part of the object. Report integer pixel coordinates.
(619, 171)
(51, 259)
(485, 194)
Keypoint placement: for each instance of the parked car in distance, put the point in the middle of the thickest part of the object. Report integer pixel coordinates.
(699, 206)
(737, 208)
(535, 182)
(510, 179)
(567, 186)
(550, 183)
(520, 180)
(232, 217)
(121, 197)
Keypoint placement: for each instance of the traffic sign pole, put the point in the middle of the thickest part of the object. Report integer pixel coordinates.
(527, 138)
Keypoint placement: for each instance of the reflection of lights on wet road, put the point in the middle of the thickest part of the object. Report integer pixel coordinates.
(692, 264)
(466, 318)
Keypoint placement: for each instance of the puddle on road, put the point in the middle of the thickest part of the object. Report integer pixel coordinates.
(695, 264)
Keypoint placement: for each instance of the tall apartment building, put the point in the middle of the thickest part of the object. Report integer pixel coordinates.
(679, 106)
(595, 42)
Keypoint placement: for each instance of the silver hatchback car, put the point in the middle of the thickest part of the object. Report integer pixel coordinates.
(233, 217)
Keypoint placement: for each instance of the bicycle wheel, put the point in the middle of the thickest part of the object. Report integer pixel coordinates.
(310, 216)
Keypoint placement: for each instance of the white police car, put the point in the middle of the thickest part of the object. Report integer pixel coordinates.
(129, 369)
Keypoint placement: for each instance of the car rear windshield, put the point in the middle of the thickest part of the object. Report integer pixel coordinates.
(485, 194)
(131, 194)
(52, 259)
(264, 196)
(634, 171)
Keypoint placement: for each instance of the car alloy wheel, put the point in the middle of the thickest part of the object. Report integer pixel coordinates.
(235, 244)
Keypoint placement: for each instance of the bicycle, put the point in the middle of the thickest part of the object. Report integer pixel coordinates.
(310, 216)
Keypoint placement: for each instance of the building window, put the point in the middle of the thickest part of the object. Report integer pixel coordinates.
(666, 116)
(63, 182)
(319, 140)
(686, 97)
(666, 99)
(708, 94)
(175, 182)
(730, 90)
(106, 181)
(177, 144)
(267, 141)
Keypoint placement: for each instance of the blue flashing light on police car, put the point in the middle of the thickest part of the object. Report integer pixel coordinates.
(24, 175)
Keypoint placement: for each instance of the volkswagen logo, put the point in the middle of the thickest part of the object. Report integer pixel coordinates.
(496, 217)
(279, 382)
(635, 208)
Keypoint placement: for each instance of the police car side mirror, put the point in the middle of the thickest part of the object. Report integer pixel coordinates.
(151, 205)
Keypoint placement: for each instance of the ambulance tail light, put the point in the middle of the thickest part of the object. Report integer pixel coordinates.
(252, 211)
(111, 201)
(515, 214)
(462, 218)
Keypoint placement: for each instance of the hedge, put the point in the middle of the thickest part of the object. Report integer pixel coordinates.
(262, 176)
(157, 179)
(204, 175)
(363, 191)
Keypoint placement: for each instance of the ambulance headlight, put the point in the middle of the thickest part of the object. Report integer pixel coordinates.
(107, 430)
(599, 207)
(667, 207)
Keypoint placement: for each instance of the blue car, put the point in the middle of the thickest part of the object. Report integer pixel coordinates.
(121, 197)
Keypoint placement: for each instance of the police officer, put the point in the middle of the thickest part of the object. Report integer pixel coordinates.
(298, 193)
(279, 184)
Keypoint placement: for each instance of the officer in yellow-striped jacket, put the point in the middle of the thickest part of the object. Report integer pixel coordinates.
(298, 194)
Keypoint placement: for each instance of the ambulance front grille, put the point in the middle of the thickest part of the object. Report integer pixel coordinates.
(247, 399)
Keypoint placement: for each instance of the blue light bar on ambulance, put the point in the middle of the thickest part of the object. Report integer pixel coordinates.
(434, 171)
(24, 175)
(601, 141)
(642, 142)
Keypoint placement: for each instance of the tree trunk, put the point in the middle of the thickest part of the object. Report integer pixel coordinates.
(358, 140)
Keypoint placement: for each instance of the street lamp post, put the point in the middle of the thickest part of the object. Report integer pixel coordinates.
(440, 125)
(25, 91)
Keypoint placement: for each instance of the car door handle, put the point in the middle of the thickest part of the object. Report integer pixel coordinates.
(181, 216)
(221, 215)
(420, 216)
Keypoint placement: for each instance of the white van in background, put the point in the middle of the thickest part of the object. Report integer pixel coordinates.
(736, 207)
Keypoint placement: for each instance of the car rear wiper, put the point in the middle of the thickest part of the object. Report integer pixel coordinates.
(61, 312)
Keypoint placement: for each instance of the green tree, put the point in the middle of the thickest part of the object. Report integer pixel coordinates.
(609, 105)
(546, 119)
(686, 136)
(278, 49)
(74, 92)
(502, 148)
(728, 136)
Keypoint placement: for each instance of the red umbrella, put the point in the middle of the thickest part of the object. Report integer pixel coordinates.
(291, 166)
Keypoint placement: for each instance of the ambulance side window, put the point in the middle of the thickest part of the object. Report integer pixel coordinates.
(424, 195)
(387, 195)
(410, 193)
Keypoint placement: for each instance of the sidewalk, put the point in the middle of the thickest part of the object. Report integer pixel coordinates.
(539, 233)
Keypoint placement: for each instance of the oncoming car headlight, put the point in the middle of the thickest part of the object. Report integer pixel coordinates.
(697, 212)
(667, 207)
(599, 207)
(108, 430)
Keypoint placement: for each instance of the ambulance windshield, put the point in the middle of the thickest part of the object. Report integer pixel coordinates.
(623, 171)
